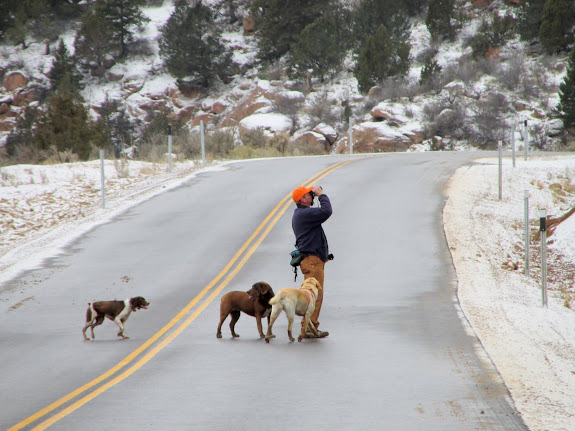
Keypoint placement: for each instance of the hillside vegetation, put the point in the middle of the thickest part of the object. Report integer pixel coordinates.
(270, 78)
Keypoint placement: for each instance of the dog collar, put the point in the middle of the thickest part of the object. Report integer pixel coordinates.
(309, 293)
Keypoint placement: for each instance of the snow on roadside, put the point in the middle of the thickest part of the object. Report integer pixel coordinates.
(45, 206)
(532, 347)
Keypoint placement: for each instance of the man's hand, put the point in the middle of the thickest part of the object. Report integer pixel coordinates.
(317, 190)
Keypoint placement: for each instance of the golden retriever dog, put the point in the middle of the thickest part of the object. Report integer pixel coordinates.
(294, 302)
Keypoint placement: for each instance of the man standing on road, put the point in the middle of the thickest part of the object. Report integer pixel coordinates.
(310, 239)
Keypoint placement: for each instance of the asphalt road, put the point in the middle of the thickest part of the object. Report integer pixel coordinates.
(400, 355)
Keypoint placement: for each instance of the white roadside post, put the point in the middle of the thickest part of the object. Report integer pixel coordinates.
(525, 138)
(203, 141)
(526, 224)
(102, 179)
(513, 144)
(500, 169)
(170, 148)
(350, 136)
(543, 228)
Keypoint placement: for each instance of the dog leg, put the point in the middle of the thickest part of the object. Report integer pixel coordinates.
(290, 313)
(274, 315)
(235, 317)
(99, 319)
(259, 323)
(88, 324)
(120, 323)
(90, 316)
(223, 317)
(271, 335)
(290, 325)
(307, 325)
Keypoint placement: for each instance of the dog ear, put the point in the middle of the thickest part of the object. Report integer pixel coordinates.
(262, 287)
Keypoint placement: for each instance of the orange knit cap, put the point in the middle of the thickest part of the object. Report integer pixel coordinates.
(298, 193)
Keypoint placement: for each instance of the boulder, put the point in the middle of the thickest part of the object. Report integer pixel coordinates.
(14, 80)
(447, 116)
(327, 131)
(132, 87)
(379, 113)
(416, 136)
(555, 127)
(207, 118)
(249, 24)
(6, 126)
(284, 97)
(175, 96)
(385, 145)
(521, 106)
(259, 98)
(311, 143)
(271, 123)
(218, 108)
(368, 138)
(455, 89)
(114, 77)
(391, 114)
(186, 114)
(538, 113)
(153, 105)
(24, 98)
(374, 91)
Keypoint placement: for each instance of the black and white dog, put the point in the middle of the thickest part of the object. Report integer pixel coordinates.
(118, 311)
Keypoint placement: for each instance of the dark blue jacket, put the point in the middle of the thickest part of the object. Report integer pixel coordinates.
(306, 224)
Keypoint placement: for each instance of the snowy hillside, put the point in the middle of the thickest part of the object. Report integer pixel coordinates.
(476, 102)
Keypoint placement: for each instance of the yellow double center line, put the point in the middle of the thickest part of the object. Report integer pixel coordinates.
(227, 272)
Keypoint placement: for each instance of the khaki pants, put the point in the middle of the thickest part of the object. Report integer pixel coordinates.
(313, 266)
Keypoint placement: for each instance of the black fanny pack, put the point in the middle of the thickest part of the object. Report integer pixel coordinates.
(296, 258)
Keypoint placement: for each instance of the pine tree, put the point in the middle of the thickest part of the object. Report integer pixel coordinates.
(30, 20)
(122, 16)
(415, 7)
(63, 74)
(92, 43)
(18, 32)
(321, 46)
(374, 59)
(64, 125)
(566, 105)
(21, 138)
(370, 14)
(556, 31)
(529, 19)
(279, 23)
(115, 126)
(7, 13)
(492, 34)
(191, 48)
(438, 20)
(431, 70)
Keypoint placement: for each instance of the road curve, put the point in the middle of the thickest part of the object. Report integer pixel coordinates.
(400, 355)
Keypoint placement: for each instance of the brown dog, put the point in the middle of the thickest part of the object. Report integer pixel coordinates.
(117, 311)
(295, 301)
(254, 302)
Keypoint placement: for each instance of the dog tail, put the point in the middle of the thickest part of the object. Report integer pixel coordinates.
(274, 300)
(89, 312)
